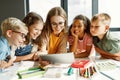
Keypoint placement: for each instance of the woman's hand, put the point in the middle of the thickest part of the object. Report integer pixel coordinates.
(43, 62)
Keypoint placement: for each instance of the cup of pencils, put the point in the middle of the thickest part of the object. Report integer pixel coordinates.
(87, 72)
(86, 68)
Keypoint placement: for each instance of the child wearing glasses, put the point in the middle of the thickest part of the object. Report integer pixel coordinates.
(28, 51)
(80, 40)
(54, 33)
(107, 43)
(13, 35)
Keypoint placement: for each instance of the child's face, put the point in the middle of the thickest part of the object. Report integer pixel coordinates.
(35, 30)
(78, 27)
(17, 37)
(97, 28)
(57, 23)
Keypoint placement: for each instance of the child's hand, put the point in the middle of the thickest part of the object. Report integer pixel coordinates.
(44, 63)
(36, 56)
(117, 58)
(10, 62)
(73, 32)
(30, 56)
(3, 64)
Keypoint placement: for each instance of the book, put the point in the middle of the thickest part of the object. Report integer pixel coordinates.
(80, 64)
(30, 72)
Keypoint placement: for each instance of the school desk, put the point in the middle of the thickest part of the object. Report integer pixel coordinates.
(10, 73)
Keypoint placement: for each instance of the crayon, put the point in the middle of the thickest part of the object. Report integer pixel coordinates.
(82, 71)
(89, 72)
(86, 73)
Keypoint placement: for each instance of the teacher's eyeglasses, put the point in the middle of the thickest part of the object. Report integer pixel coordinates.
(54, 24)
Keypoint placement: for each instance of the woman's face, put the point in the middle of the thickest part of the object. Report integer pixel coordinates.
(35, 30)
(57, 23)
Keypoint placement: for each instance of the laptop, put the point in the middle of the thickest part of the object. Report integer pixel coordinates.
(59, 58)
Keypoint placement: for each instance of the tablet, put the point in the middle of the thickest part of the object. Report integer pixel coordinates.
(59, 58)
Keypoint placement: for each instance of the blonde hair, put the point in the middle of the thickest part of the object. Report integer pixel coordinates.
(103, 18)
(12, 23)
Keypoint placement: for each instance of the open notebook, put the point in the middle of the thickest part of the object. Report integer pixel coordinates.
(59, 58)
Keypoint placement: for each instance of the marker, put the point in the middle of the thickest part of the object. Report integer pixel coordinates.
(81, 72)
(86, 73)
(70, 71)
(91, 72)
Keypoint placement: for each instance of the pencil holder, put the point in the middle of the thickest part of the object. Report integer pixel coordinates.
(87, 72)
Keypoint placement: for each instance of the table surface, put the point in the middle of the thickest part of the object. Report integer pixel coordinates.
(11, 72)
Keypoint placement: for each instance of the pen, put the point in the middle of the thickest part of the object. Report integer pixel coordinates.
(107, 76)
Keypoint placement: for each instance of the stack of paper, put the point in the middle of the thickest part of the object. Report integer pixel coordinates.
(105, 65)
(53, 73)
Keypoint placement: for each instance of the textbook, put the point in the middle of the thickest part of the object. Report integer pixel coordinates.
(80, 64)
(30, 72)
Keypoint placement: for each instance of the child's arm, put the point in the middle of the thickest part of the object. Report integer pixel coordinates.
(10, 62)
(84, 54)
(5, 64)
(26, 57)
(118, 56)
(75, 42)
(74, 46)
(105, 54)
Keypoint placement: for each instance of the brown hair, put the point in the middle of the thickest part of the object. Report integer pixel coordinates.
(86, 23)
(59, 11)
(30, 19)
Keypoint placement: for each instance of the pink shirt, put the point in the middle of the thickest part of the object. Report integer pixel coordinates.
(87, 40)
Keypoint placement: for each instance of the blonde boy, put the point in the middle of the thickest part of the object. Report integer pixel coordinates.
(107, 43)
(13, 35)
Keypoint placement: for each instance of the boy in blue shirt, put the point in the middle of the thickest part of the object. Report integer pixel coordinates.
(13, 35)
